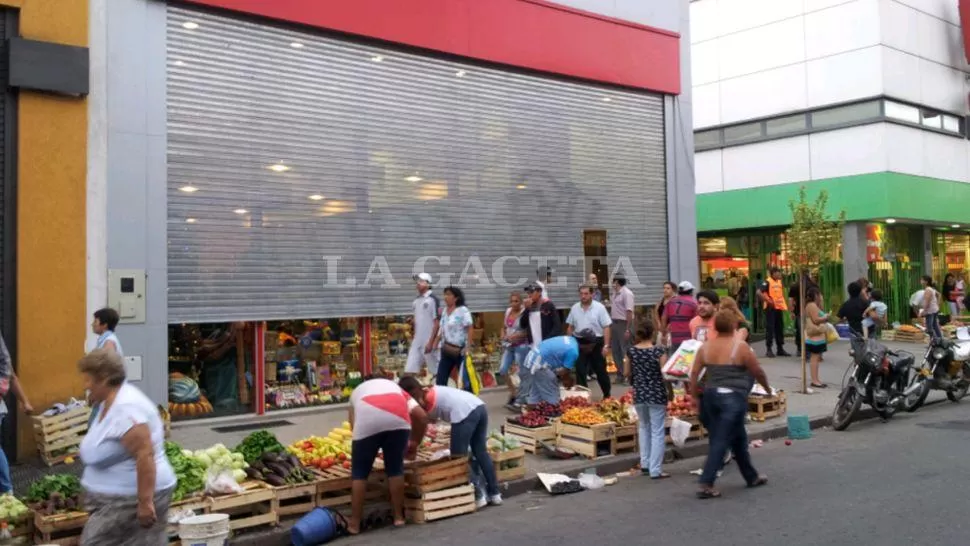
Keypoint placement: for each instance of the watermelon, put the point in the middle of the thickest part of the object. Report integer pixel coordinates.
(183, 390)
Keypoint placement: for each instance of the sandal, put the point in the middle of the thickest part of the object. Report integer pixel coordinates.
(708, 494)
(661, 476)
(762, 480)
(819, 385)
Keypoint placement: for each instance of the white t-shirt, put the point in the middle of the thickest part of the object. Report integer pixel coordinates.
(379, 406)
(535, 324)
(426, 310)
(450, 404)
(108, 467)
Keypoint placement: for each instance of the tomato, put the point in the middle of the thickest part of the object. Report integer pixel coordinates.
(347, 465)
(342, 457)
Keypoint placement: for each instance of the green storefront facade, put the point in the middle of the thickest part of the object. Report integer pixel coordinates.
(898, 227)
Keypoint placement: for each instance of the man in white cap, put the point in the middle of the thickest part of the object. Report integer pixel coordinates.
(678, 313)
(427, 312)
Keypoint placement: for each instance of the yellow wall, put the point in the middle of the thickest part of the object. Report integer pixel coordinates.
(51, 227)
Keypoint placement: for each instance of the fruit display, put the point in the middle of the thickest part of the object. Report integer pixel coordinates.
(280, 469)
(615, 411)
(574, 402)
(530, 419)
(324, 452)
(253, 446)
(583, 417)
(909, 329)
(189, 471)
(55, 493)
(546, 409)
(11, 509)
(498, 442)
(681, 406)
(627, 398)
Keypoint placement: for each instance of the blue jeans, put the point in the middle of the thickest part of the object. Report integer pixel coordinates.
(473, 432)
(725, 414)
(525, 386)
(545, 387)
(6, 486)
(933, 326)
(652, 436)
(513, 354)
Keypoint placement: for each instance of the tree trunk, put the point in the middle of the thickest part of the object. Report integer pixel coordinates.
(801, 321)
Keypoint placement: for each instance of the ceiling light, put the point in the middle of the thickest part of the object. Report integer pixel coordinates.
(189, 189)
(240, 211)
(296, 45)
(607, 99)
(190, 25)
(955, 226)
(316, 197)
(279, 167)
(190, 220)
(521, 187)
(377, 58)
(460, 73)
(890, 220)
(179, 63)
(414, 178)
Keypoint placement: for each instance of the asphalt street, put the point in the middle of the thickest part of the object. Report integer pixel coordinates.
(897, 483)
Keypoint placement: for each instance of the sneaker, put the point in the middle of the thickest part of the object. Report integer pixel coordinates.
(495, 500)
(481, 502)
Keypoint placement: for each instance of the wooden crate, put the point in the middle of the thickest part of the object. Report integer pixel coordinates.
(60, 432)
(514, 456)
(591, 442)
(426, 476)
(63, 529)
(626, 439)
(697, 431)
(910, 337)
(23, 527)
(334, 489)
(444, 503)
(761, 408)
(888, 335)
(251, 508)
(530, 437)
(297, 499)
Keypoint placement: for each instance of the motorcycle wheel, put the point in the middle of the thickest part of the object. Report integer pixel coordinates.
(916, 400)
(848, 404)
(957, 394)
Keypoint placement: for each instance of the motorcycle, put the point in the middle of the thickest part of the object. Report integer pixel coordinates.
(945, 367)
(877, 376)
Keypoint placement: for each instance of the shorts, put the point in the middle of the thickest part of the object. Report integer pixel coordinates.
(417, 357)
(815, 348)
(363, 452)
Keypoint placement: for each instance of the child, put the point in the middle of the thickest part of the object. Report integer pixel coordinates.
(875, 314)
(642, 366)
(469, 428)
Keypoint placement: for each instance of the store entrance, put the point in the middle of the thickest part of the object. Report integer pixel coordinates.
(595, 257)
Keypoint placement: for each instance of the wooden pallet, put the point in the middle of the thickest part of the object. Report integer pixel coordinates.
(626, 439)
(530, 437)
(910, 337)
(444, 503)
(423, 477)
(22, 527)
(297, 499)
(334, 490)
(252, 508)
(62, 529)
(761, 408)
(513, 461)
(60, 432)
(591, 442)
(697, 431)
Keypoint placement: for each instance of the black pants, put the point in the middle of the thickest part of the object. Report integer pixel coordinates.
(595, 362)
(774, 328)
(798, 333)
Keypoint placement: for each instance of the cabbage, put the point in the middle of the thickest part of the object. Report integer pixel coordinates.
(188, 453)
(204, 459)
(237, 457)
(239, 475)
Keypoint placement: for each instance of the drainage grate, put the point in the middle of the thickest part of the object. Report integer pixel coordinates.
(251, 426)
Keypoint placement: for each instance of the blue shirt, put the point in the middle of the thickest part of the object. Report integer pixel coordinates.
(554, 353)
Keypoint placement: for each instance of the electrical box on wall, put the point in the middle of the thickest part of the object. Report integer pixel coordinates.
(126, 294)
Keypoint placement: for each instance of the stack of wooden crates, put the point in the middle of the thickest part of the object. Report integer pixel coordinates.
(438, 489)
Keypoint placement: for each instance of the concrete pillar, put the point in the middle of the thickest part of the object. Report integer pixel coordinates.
(854, 262)
(928, 251)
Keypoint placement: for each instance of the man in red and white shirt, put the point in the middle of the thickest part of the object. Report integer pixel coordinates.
(383, 418)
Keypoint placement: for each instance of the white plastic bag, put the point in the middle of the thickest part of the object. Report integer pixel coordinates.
(679, 431)
(591, 481)
(222, 483)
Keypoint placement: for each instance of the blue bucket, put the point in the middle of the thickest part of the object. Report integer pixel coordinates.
(799, 427)
(843, 330)
(319, 526)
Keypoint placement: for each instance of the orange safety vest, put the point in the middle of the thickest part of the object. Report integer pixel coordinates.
(776, 292)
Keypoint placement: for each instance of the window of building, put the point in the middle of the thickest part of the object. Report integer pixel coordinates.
(902, 112)
(741, 133)
(786, 125)
(931, 119)
(843, 115)
(707, 139)
(951, 124)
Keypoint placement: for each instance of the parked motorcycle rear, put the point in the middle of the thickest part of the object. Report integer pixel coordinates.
(877, 377)
(944, 367)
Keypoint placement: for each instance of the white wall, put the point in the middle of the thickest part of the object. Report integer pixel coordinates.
(874, 148)
(757, 58)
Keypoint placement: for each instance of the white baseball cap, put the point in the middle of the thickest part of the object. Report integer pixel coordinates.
(685, 286)
(423, 277)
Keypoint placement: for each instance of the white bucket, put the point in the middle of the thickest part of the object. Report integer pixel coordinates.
(205, 530)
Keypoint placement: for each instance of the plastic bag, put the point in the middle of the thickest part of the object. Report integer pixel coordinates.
(221, 483)
(591, 481)
(680, 364)
(831, 334)
(679, 431)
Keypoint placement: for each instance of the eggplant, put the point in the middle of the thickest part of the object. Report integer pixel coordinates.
(275, 480)
(294, 462)
(258, 465)
(278, 469)
(254, 474)
(270, 457)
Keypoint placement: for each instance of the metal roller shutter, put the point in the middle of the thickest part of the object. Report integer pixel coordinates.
(414, 156)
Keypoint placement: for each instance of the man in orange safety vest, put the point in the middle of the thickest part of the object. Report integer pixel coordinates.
(773, 300)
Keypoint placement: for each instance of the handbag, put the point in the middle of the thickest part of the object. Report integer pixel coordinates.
(451, 350)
